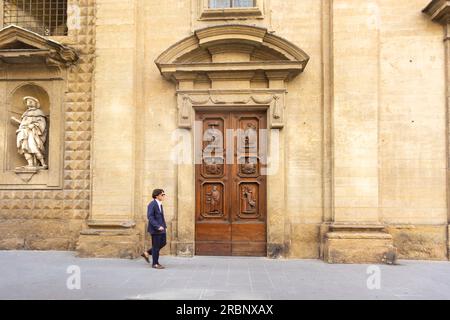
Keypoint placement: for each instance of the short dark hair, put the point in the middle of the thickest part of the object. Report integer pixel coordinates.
(157, 192)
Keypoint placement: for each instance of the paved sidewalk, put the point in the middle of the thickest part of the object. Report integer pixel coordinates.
(43, 275)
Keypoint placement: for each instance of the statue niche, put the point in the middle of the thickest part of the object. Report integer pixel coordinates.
(33, 90)
(29, 130)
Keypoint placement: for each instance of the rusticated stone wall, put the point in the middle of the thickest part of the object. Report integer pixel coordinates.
(52, 219)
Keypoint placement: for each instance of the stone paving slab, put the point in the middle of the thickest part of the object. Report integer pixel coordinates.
(45, 274)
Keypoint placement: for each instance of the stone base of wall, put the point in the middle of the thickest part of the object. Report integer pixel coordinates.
(110, 242)
(358, 244)
(334, 245)
(39, 234)
(420, 242)
(182, 249)
(305, 241)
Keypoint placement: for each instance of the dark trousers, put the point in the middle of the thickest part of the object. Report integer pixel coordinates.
(159, 241)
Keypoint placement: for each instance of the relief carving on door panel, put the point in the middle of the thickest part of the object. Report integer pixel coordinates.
(249, 201)
(248, 167)
(213, 148)
(212, 201)
(247, 149)
(213, 167)
(248, 136)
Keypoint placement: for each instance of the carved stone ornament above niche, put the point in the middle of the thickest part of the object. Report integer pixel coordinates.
(21, 46)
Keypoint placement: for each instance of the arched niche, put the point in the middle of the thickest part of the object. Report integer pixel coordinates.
(32, 65)
(16, 109)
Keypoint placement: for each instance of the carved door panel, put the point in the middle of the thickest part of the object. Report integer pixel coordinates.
(230, 185)
(213, 228)
(248, 185)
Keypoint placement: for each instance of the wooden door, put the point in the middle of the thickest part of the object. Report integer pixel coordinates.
(230, 184)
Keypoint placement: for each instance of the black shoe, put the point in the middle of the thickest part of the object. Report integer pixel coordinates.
(145, 257)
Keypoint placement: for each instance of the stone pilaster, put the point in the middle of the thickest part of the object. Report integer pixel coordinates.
(111, 230)
(356, 234)
(439, 11)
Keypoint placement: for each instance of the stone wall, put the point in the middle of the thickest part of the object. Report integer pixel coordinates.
(388, 58)
(52, 219)
(365, 129)
(412, 122)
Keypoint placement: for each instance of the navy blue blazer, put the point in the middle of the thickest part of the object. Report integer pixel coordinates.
(155, 218)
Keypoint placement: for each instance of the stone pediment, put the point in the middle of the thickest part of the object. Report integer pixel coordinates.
(235, 66)
(21, 46)
(232, 48)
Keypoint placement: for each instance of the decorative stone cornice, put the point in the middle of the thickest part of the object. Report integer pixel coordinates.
(172, 71)
(186, 55)
(21, 46)
(439, 11)
(272, 100)
(226, 33)
(212, 14)
(229, 58)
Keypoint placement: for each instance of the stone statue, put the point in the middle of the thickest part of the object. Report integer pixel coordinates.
(32, 134)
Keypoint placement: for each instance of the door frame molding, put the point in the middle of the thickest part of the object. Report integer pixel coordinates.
(278, 226)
